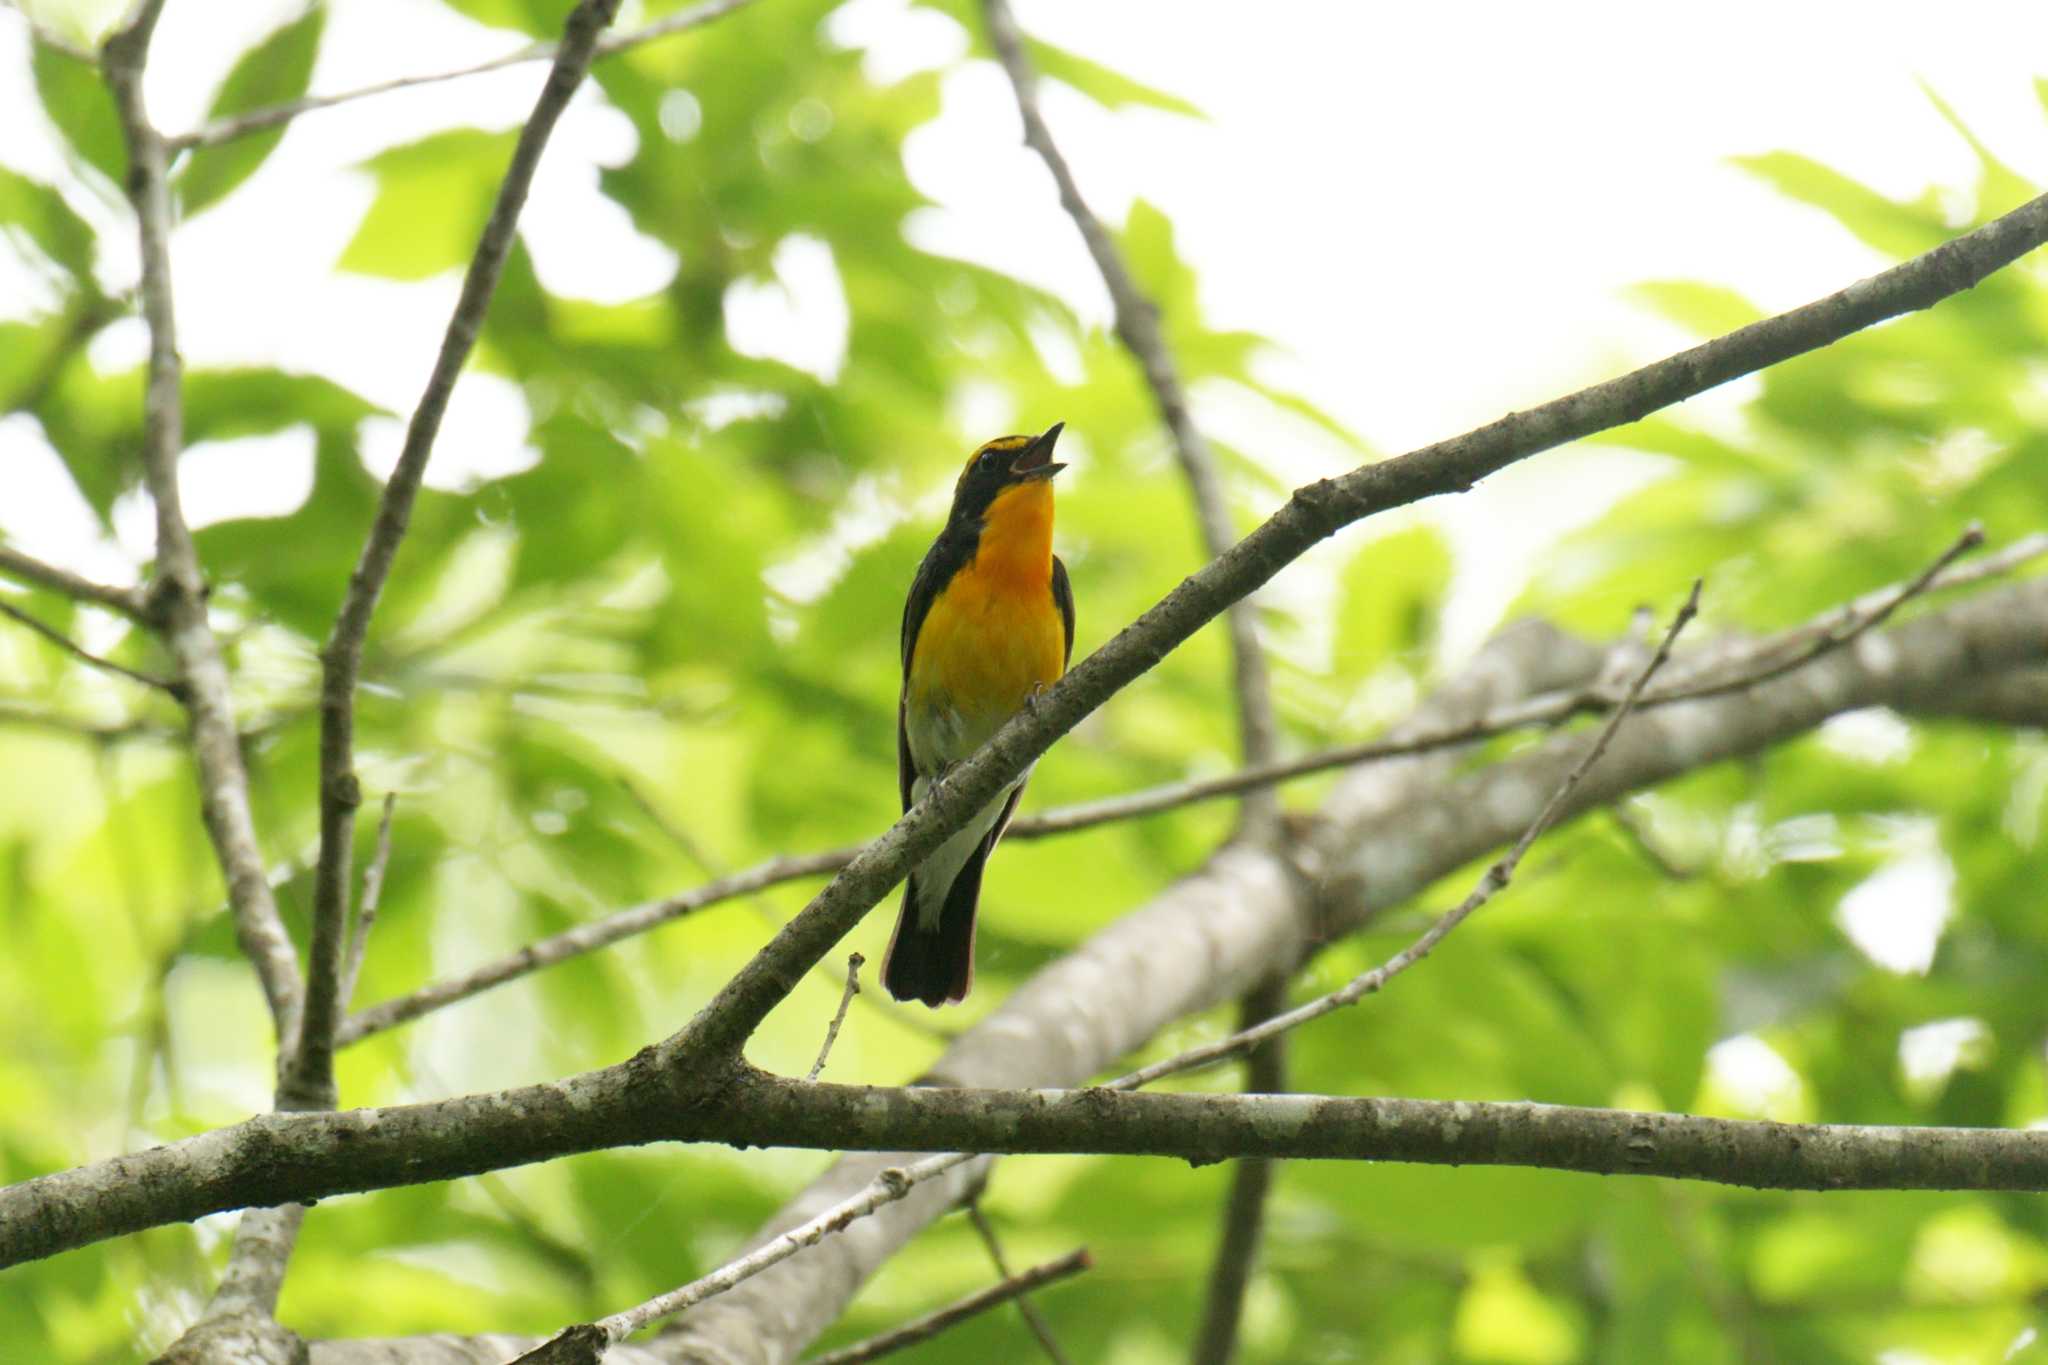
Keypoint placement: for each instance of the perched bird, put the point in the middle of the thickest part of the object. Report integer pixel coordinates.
(989, 622)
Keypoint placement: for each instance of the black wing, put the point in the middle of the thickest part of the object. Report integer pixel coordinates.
(940, 563)
(1063, 597)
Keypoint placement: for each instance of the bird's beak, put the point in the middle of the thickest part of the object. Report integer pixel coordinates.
(1037, 462)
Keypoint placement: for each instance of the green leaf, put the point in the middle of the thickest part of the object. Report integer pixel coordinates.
(432, 199)
(40, 212)
(1109, 88)
(1895, 229)
(1392, 594)
(80, 104)
(1706, 309)
(543, 18)
(274, 71)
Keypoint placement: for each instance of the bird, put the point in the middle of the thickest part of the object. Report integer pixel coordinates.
(988, 624)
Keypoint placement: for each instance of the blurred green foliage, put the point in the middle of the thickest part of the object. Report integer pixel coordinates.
(668, 647)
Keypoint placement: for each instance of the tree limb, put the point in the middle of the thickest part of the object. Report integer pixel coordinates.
(1834, 629)
(1314, 512)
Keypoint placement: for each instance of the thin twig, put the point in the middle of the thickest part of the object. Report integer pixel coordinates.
(130, 602)
(853, 965)
(1550, 708)
(892, 1184)
(312, 1065)
(366, 910)
(256, 120)
(1137, 326)
(931, 1324)
(1846, 623)
(84, 655)
(1251, 1180)
(1495, 879)
(1029, 1311)
(177, 603)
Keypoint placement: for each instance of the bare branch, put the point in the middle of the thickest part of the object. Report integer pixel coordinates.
(178, 601)
(312, 1064)
(130, 602)
(1491, 884)
(283, 1157)
(586, 938)
(1137, 326)
(1313, 513)
(366, 910)
(84, 655)
(853, 965)
(1032, 1318)
(1251, 1180)
(256, 120)
(931, 1324)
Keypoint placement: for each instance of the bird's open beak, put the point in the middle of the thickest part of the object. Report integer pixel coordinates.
(1037, 462)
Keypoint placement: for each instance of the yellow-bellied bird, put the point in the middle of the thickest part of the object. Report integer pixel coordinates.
(990, 621)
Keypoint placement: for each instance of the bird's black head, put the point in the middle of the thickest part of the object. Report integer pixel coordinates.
(1002, 464)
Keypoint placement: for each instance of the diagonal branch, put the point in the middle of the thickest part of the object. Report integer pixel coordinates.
(1041, 1331)
(1137, 326)
(1834, 630)
(256, 120)
(311, 1075)
(77, 651)
(1490, 885)
(1313, 513)
(931, 1324)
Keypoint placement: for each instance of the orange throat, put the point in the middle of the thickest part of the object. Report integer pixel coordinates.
(1016, 539)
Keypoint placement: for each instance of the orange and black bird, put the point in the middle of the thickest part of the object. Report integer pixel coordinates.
(989, 622)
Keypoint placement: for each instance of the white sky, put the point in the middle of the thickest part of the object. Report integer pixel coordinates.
(1434, 208)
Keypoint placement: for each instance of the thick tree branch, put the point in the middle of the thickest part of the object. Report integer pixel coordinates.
(130, 602)
(178, 601)
(282, 1157)
(311, 1067)
(256, 120)
(1137, 326)
(1311, 514)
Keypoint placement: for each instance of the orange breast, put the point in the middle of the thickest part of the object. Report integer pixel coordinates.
(993, 635)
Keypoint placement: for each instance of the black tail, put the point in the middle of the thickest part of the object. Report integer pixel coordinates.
(936, 965)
